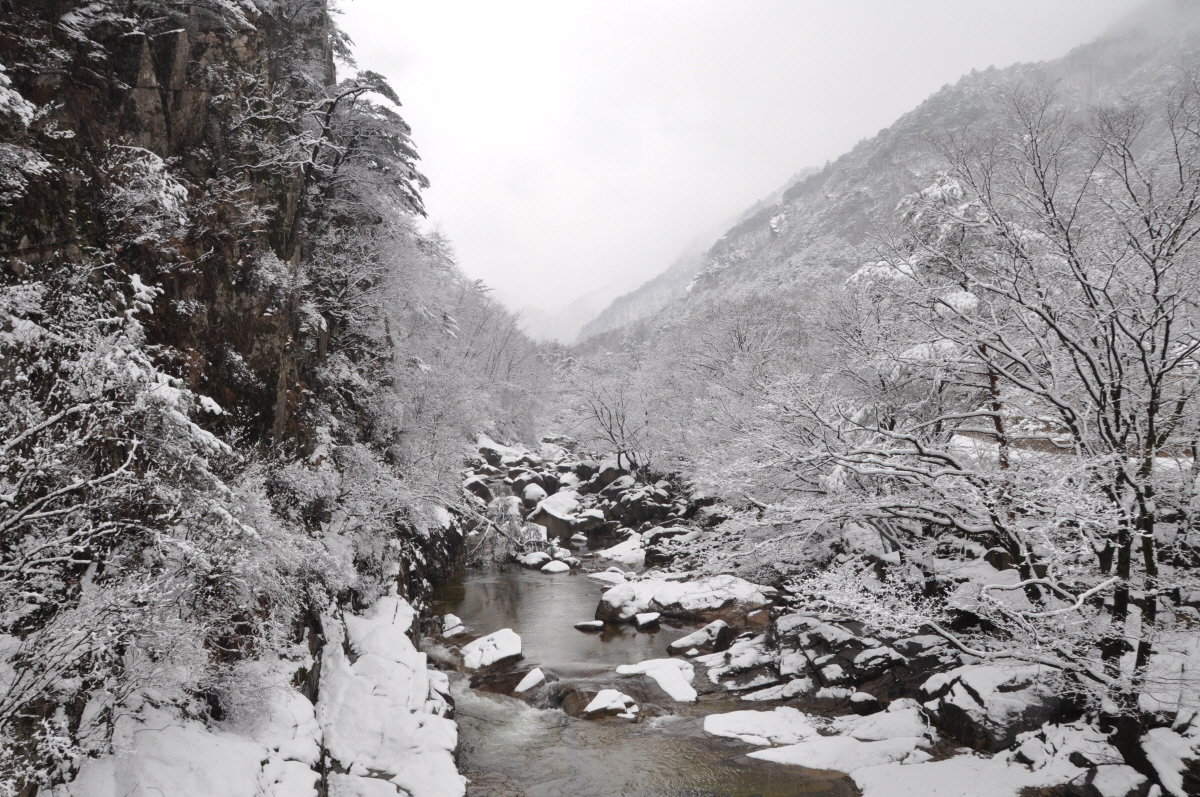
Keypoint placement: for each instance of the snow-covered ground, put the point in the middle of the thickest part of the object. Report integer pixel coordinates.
(380, 719)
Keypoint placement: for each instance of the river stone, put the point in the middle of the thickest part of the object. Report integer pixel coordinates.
(531, 679)
(534, 559)
(555, 567)
(712, 638)
(609, 703)
(495, 648)
(646, 620)
(590, 625)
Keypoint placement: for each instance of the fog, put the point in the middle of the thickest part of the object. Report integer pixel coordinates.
(575, 146)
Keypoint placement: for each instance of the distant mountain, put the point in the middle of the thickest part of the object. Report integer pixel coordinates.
(823, 224)
(650, 297)
(563, 326)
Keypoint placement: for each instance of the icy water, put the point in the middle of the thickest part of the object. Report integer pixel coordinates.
(508, 748)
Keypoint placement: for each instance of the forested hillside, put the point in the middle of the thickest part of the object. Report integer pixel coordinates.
(948, 383)
(235, 379)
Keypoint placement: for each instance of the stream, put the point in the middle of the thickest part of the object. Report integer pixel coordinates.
(509, 747)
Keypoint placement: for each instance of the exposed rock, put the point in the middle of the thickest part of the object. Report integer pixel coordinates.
(477, 486)
(865, 703)
(988, 706)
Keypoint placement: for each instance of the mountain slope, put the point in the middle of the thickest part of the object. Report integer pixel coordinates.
(827, 223)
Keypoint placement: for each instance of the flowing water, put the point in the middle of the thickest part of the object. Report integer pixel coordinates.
(508, 747)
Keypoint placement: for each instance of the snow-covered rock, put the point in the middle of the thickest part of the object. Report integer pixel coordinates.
(555, 513)
(534, 559)
(452, 626)
(628, 551)
(990, 705)
(555, 566)
(704, 599)
(672, 675)
(532, 679)
(496, 647)
(646, 620)
(533, 494)
(784, 725)
(714, 637)
(609, 702)
(590, 625)
(794, 688)
(841, 753)
(609, 576)
(383, 713)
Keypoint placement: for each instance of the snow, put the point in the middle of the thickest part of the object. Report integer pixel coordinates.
(628, 552)
(555, 566)
(535, 677)
(160, 754)
(988, 777)
(608, 577)
(533, 493)
(12, 103)
(672, 675)
(699, 638)
(800, 686)
(492, 648)
(1166, 750)
(452, 626)
(902, 719)
(841, 753)
(611, 700)
(646, 619)
(560, 505)
(382, 713)
(1117, 780)
(784, 725)
(210, 406)
(534, 559)
(683, 597)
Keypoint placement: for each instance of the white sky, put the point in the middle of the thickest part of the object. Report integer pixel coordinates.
(573, 144)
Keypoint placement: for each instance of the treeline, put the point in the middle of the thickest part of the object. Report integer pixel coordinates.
(235, 376)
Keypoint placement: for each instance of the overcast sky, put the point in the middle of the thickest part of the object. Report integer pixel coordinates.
(573, 144)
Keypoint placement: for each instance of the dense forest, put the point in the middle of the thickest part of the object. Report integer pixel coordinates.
(224, 344)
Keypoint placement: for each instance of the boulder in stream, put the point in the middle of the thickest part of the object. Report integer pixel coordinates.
(495, 648)
(610, 703)
(712, 638)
